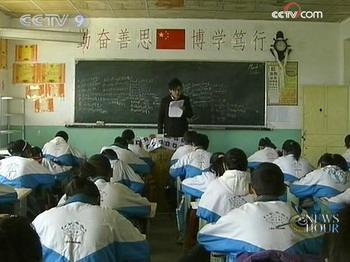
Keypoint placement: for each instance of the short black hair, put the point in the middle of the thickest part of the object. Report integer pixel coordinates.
(292, 147)
(128, 134)
(121, 142)
(174, 83)
(101, 164)
(62, 134)
(83, 186)
(19, 148)
(268, 179)
(201, 140)
(36, 152)
(236, 159)
(217, 160)
(189, 137)
(110, 154)
(19, 240)
(87, 170)
(266, 142)
(333, 159)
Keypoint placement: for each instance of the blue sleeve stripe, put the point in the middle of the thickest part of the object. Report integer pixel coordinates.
(148, 161)
(49, 255)
(177, 172)
(253, 165)
(207, 215)
(136, 187)
(6, 198)
(135, 212)
(335, 207)
(142, 169)
(311, 246)
(30, 181)
(192, 171)
(289, 178)
(64, 176)
(64, 160)
(191, 191)
(226, 245)
(304, 191)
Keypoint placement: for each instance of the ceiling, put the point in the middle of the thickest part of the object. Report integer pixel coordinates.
(333, 10)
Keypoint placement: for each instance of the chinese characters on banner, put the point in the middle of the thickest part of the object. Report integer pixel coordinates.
(286, 94)
(220, 39)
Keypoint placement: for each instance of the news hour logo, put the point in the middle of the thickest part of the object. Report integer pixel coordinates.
(53, 20)
(316, 223)
(293, 10)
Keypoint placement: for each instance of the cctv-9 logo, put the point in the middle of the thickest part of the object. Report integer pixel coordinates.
(52, 20)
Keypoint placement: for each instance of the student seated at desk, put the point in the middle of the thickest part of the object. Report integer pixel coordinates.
(229, 191)
(292, 165)
(266, 153)
(262, 225)
(194, 163)
(336, 203)
(61, 152)
(188, 147)
(81, 230)
(20, 171)
(129, 136)
(328, 180)
(123, 173)
(8, 198)
(346, 154)
(195, 186)
(120, 146)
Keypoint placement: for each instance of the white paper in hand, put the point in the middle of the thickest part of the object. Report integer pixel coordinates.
(175, 108)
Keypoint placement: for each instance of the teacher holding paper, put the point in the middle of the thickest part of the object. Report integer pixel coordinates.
(174, 111)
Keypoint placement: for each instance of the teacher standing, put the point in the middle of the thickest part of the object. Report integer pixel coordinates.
(174, 111)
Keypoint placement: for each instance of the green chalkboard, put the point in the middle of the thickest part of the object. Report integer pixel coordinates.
(129, 92)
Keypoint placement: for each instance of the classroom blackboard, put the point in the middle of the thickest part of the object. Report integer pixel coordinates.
(129, 92)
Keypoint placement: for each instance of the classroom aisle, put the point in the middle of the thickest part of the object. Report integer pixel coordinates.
(162, 239)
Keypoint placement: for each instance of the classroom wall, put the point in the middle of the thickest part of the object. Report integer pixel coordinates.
(315, 46)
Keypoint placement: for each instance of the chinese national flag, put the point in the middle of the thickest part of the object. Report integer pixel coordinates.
(170, 39)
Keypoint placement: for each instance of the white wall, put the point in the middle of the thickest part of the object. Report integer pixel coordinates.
(4, 73)
(316, 46)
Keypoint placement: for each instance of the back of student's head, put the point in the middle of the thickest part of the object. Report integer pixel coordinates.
(84, 187)
(88, 171)
(217, 166)
(201, 140)
(128, 135)
(189, 136)
(36, 153)
(110, 154)
(292, 147)
(236, 159)
(268, 179)
(333, 159)
(266, 142)
(62, 134)
(121, 142)
(174, 83)
(336, 244)
(102, 165)
(19, 148)
(19, 241)
(347, 141)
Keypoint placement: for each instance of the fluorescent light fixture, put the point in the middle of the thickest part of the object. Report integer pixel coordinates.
(43, 35)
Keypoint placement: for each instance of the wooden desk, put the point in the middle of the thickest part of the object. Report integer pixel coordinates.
(21, 205)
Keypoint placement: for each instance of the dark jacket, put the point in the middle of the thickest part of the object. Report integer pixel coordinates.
(173, 126)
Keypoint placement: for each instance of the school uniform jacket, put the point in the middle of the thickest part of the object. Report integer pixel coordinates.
(61, 173)
(141, 153)
(191, 165)
(323, 182)
(256, 227)
(225, 193)
(7, 194)
(338, 202)
(195, 186)
(293, 169)
(62, 153)
(130, 158)
(180, 152)
(266, 154)
(124, 174)
(19, 172)
(83, 232)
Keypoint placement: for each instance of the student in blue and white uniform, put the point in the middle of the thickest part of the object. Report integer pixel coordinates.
(20, 171)
(123, 173)
(81, 230)
(195, 186)
(327, 181)
(266, 153)
(194, 163)
(346, 154)
(61, 152)
(129, 136)
(292, 165)
(229, 191)
(262, 225)
(120, 146)
(336, 203)
(188, 147)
